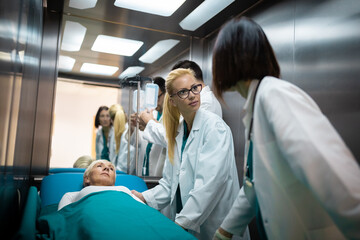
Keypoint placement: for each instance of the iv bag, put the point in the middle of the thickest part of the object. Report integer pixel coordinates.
(151, 93)
(142, 101)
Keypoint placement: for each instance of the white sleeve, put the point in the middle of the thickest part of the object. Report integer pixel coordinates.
(239, 216)
(67, 199)
(210, 103)
(316, 154)
(154, 132)
(99, 145)
(159, 196)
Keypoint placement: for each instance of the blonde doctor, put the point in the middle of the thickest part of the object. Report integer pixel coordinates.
(200, 180)
(120, 140)
(302, 182)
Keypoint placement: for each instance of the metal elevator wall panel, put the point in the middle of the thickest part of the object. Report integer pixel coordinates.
(318, 49)
(20, 38)
(324, 38)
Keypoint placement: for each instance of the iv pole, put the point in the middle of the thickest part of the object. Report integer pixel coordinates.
(132, 82)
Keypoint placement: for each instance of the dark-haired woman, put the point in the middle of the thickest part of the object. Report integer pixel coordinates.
(301, 180)
(104, 133)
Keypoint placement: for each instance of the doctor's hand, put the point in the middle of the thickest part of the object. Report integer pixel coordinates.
(144, 117)
(221, 234)
(133, 119)
(139, 195)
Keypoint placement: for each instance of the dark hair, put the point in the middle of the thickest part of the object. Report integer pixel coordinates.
(97, 120)
(242, 52)
(161, 83)
(192, 65)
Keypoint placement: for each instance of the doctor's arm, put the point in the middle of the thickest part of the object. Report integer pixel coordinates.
(239, 216)
(159, 196)
(316, 154)
(154, 132)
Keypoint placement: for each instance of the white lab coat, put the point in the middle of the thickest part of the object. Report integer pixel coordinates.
(207, 176)
(306, 180)
(99, 141)
(157, 154)
(120, 160)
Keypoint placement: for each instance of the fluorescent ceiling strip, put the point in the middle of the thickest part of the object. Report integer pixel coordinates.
(158, 7)
(66, 63)
(158, 50)
(203, 13)
(114, 45)
(82, 4)
(98, 69)
(74, 34)
(131, 71)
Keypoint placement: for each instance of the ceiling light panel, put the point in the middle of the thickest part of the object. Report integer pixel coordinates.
(203, 13)
(158, 50)
(131, 71)
(98, 69)
(66, 63)
(114, 45)
(157, 7)
(74, 34)
(82, 4)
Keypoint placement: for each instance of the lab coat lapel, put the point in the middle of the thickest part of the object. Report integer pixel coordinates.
(179, 138)
(195, 127)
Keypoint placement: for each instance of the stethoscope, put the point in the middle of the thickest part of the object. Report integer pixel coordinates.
(248, 180)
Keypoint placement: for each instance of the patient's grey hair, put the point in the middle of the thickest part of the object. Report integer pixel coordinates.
(90, 167)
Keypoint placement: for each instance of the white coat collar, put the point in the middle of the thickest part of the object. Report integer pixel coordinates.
(180, 131)
(248, 107)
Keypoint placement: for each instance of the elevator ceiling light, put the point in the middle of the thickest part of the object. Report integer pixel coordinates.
(82, 4)
(131, 72)
(205, 11)
(98, 69)
(158, 7)
(74, 34)
(66, 63)
(158, 50)
(114, 45)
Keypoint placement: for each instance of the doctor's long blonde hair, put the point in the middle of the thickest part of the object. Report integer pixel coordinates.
(118, 117)
(171, 114)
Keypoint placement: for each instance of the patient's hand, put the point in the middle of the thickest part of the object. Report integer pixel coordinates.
(139, 195)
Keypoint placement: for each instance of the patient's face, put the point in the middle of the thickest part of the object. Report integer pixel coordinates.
(102, 174)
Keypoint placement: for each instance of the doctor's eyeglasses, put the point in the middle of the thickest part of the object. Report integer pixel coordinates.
(184, 93)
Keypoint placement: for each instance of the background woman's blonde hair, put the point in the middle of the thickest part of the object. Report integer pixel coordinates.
(83, 161)
(91, 166)
(171, 113)
(118, 116)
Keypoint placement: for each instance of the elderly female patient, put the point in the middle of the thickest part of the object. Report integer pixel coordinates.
(104, 211)
(99, 176)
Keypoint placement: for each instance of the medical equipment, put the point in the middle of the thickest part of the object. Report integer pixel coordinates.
(148, 98)
(142, 100)
(151, 95)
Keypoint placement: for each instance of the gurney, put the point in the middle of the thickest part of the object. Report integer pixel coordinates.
(101, 215)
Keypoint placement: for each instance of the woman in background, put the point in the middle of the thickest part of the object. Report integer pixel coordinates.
(104, 133)
(301, 181)
(120, 140)
(83, 161)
